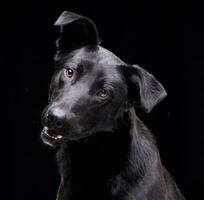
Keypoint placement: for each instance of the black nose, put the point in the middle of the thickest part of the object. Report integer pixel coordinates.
(55, 117)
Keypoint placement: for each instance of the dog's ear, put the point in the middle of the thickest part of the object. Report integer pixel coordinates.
(76, 31)
(143, 87)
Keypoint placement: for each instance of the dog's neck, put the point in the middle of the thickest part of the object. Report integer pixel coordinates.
(109, 156)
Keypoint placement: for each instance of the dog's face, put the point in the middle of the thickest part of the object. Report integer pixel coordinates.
(87, 92)
(91, 87)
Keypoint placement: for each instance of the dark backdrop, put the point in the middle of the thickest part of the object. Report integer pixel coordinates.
(166, 39)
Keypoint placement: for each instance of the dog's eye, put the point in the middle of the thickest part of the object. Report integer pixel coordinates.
(103, 93)
(69, 72)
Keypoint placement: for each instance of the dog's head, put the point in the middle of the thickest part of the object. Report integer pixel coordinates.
(91, 88)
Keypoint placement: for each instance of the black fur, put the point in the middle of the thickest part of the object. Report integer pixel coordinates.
(105, 151)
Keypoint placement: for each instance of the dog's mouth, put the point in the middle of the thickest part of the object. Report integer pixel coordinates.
(51, 137)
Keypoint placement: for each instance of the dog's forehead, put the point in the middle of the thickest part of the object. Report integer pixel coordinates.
(100, 60)
(107, 57)
(100, 56)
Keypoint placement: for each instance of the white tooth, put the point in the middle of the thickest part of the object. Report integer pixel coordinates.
(59, 137)
(46, 142)
(45, 128)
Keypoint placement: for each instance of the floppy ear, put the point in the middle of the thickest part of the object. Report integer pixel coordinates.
(76, 31)
(144, 87)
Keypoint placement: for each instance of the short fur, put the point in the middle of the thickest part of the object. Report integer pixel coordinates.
(105, 151)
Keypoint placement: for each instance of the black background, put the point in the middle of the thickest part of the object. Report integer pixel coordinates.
(166, 39)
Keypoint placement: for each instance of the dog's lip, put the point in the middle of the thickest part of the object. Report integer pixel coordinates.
(52, 134)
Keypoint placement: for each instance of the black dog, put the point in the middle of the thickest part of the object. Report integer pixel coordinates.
(105, 151)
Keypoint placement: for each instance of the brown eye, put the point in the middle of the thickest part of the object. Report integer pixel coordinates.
(69, 72)
(103, 93)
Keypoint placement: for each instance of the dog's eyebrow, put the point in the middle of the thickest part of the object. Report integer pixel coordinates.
(83, 64)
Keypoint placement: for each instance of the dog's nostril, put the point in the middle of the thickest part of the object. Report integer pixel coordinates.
(59, 124)
(55, 118)
(50, 118)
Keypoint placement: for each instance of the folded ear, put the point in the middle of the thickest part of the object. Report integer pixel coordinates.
(144, 87)
(76, 31)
